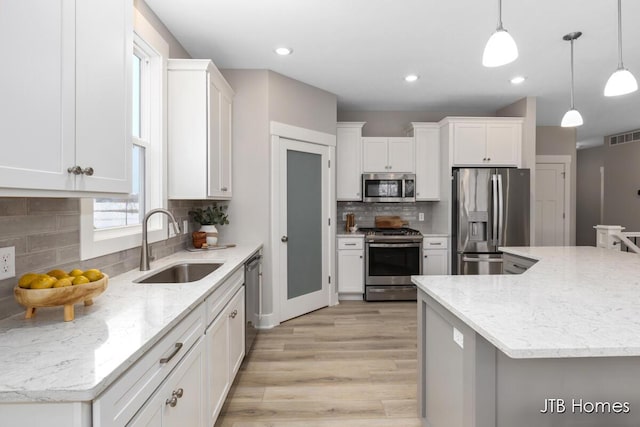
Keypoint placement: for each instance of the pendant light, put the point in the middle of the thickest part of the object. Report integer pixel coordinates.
(621, 81)
(501, 49)
(572, 118)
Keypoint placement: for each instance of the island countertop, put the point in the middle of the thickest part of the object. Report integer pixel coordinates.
(574, 302)
(47, 359)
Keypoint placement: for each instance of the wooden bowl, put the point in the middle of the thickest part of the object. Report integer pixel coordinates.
(53, 297)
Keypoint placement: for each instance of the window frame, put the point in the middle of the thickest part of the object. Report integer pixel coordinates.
(95, 243)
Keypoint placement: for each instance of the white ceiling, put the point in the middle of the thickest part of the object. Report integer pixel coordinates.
(360, 50)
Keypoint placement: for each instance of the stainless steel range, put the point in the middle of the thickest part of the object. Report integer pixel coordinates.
(392, 256)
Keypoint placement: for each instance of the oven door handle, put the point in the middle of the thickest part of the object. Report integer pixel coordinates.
(394, 245)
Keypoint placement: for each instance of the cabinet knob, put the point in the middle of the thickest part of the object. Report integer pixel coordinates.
(224, 189)
(88, 171)
(488, 159)
(234, 314)
(178, 393)
(426, 256)
(172, 402)
(284, 239)
(357, 194)
(484, 159)
(76, 170)
(360, 256)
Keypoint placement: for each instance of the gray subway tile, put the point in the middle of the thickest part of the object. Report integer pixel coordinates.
(46, 206)
(18, 242)
(68, 254)
(9, 307)
(36, 262)
(26, 225)
(12, 206)
(68, 222)
(38, 242)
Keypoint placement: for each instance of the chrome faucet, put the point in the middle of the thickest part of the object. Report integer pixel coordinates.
(144, 249)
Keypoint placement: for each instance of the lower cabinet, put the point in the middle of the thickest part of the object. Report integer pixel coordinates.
(435, 256)
(351, 265)
(225, 351)
(513, 264)
(179, 401)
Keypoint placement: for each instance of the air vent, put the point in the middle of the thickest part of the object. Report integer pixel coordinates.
(623, 138)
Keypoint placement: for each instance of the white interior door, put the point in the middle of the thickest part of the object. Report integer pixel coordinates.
(303, 222)
(551, 221)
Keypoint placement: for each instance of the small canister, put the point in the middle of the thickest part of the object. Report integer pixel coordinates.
(351, 221)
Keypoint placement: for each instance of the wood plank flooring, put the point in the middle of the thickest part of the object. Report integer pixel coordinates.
(352, 365)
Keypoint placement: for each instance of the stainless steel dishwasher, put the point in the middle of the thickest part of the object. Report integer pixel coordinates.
(252, 277)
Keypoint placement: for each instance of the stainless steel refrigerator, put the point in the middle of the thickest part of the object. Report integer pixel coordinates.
(490, 209)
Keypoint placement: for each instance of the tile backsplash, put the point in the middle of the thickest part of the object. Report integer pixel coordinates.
(46, 234)
(365, 214)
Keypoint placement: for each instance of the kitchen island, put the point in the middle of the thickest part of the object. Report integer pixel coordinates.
(558, 345)
(104, 364)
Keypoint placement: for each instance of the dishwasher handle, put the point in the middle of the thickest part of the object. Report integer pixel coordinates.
(253, 263)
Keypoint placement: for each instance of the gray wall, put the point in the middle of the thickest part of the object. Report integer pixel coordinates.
(556, 140)
(395, 123)
(588, 194)
(263, 96)
(621, 185)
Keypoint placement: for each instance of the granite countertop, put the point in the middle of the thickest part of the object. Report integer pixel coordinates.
(47, 359)
(574, 302)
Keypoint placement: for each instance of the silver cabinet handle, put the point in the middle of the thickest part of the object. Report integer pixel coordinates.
(520, 267)
(76, 170)
(88, 171)
(172, 402)
(466, 259)
(360, 256)
(175, 351)
(438, 244)
(284, 239)
(224, 189)
(178, 393)
(349, 244)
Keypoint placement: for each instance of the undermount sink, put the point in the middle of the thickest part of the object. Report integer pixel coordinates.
(181, 273)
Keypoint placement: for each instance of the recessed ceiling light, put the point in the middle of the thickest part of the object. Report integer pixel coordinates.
(411, 78)
(284, 51)
(517, 80)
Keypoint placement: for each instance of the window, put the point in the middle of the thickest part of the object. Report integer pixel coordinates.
(113, 224)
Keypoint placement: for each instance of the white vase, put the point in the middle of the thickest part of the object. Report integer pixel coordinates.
(212, 234)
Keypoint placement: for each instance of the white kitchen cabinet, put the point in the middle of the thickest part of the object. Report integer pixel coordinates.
(180, 399)
(513, 264)
(435, 256)
(349, 161)
(388, 155)
(427, 143)
(485, 141)
(200, 131)
(225, 351)
(66, 96)
(351, 265)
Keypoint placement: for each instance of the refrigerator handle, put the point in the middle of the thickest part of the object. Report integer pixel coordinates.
(494, 213)
(500, 210)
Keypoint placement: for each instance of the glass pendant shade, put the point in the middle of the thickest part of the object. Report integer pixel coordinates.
(500, 50)
(572, 118)
(621, 82)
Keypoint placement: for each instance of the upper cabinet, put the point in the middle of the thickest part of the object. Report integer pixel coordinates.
(349, 161)
(200, 131)
(66, 96)
(388, 155)
(485, 141)
(427, 158)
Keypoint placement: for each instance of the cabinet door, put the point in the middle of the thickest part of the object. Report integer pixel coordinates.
(104, 49)
(215, 141)
(469, 144)
(503, 144)
(351, 271)
(236, 315)
(226, 120)
(37, 87)
(401, 155)
(349, 164)
(374, 155)
(217, 356)
(427, 163)
(435, 262)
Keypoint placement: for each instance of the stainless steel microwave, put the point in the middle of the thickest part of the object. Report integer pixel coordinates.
(388, 187)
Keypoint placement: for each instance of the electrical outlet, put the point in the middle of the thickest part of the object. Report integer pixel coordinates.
(7, 262)
(344, 216)
(420, 216)
(458, 338)
(185, 227)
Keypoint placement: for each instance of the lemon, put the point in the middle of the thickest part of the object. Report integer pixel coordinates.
(58, 274)
(80, 280)
(43, 282)
(61, 283)
(75, 272)
(93, 274)
(26, 279)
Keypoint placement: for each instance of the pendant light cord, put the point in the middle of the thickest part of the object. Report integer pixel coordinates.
(620, 66)
(500, 16)
(572, 106)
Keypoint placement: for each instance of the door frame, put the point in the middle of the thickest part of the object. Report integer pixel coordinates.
(281, 130)
(566, 161)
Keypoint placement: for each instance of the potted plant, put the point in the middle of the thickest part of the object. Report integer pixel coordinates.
(208, 218)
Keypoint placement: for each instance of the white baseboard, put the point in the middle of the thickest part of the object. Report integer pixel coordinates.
(268, 321)
(350, 297)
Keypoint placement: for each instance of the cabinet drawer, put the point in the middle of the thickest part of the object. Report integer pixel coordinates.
(223, 294)
(435, 243)
(119, 403)
(351, 243)
(515, 265)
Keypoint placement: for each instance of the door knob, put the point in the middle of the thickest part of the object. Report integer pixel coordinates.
(284, 239)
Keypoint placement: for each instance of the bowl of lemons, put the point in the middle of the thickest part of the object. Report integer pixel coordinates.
(57, 287)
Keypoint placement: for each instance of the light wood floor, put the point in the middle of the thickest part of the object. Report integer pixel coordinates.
(352, 365)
